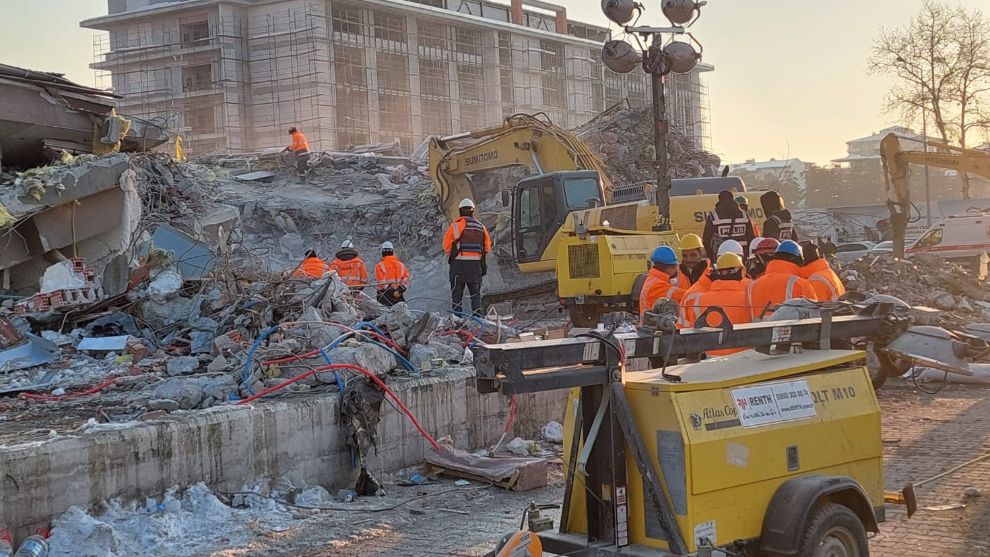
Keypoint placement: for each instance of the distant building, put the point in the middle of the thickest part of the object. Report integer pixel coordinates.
(786, 176)
(233, 75)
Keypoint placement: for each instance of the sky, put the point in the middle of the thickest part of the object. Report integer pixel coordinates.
(790, 76)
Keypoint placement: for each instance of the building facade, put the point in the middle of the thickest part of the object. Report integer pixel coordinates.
(233, 75)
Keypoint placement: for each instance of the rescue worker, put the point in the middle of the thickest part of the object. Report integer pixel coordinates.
(761, 250)
(727, 291)
(311, 267)
(779, 224)
(726, 222)
(693, 265)
(744, 207)
(658, 281)
(349, 266)
(391, 277)
(300, 148)
(828, 286)
(780, 282)
(466, 244)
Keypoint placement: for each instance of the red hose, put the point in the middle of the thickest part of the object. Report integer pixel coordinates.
(372, 376)
(512, 414)
(92, 390)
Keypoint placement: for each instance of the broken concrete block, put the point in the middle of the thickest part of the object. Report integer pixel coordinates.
(160, 315)
(421, 356)
(941, 299)
(186, 392)
(218, 364)
(292, 244)
(201, 342)
(182, 365)
(373, 358)
(219, 388)
(164, 286)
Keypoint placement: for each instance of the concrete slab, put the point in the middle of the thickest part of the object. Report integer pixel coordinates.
(296, 438)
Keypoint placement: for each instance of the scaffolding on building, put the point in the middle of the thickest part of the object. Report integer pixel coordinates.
(348, 73)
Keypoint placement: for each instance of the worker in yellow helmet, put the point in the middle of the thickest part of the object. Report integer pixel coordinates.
(727, 291)
(693, 265)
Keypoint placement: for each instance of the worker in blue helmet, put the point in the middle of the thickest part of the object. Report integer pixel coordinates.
(658, 281)
(781, 281)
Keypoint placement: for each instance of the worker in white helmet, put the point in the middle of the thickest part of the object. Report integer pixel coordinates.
(349, 266)
(467, 244)
(391, 277)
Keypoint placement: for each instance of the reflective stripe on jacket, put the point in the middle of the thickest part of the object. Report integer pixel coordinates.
(730, 295)
(828, 286)
(467, 239)
(391, 273)
(656, 286)
(352, 271)
(780, 282)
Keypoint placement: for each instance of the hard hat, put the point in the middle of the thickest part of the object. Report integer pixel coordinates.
(386, 245)
(730, 246)
(729, 261)
(790, 247)
(752, 245)
(347, 244)
(664, 255)
(690, 241)
(466, 202)
(740, 200)
(766, 245)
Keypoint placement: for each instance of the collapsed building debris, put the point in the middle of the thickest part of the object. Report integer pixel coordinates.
(623, 138)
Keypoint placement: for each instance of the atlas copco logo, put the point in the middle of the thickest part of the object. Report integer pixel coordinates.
(742, 403)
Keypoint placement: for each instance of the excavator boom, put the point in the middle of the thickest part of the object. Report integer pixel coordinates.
(895, 164)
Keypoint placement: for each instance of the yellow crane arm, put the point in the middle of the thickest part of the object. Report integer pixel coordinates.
(521, 140)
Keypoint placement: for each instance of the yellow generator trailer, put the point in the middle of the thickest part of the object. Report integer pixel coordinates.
(771, 452)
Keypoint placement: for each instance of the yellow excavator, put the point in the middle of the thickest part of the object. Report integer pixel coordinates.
(895, 165)
(562, 217)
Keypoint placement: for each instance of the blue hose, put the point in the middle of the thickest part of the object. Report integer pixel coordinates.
(249, 361)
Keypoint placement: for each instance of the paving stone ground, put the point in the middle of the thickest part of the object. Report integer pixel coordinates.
(923, 435)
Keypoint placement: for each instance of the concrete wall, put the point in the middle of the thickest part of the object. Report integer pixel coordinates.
(227, 447)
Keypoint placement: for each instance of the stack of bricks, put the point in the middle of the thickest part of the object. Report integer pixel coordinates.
(90, 293)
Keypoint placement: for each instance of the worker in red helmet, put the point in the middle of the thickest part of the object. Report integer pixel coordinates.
(761, 250)
(300, 148)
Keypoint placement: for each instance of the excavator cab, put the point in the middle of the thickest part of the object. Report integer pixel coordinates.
(541, 205)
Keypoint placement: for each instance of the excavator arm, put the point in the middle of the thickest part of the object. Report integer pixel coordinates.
(895, 165)
(521, 140)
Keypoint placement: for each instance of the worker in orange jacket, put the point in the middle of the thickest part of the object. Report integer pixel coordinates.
(828, 286)
(466, 244)
(658, 281)
(391, 277)
(300, 148)
(311, 267)
(349, 266)
(727, 291)
(704, 283)
(781, 281)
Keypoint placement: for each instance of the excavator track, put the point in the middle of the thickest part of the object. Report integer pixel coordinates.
(535, 290)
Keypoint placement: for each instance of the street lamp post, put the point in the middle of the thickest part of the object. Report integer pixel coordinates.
(658, 60)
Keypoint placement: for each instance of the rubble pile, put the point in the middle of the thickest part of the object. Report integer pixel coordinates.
(623, 138)
(922, 280)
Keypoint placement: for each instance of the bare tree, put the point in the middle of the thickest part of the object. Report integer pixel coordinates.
(941, 60)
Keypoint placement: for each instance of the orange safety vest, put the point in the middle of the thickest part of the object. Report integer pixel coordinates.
(391, 273)
(730, 295)
(352, 271)
(467, 239)
(780, 282)
(656, 286)
(828, 286)
(311, 267)
(299, 143)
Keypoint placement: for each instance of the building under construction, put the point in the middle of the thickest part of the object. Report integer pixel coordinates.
(233, 75)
